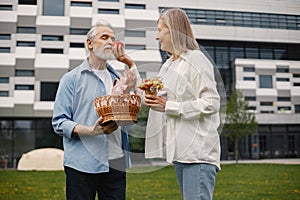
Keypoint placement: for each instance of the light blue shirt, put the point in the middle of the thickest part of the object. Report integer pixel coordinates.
(74, 104)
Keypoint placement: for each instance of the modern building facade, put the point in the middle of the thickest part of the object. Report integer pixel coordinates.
(272, 89)
(40, 40)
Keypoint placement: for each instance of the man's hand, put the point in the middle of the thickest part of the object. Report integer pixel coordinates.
(109, 127)
(97, 129)
(156, 103)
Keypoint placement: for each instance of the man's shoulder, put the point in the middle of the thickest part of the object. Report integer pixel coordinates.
(73, 72)
(69, 75)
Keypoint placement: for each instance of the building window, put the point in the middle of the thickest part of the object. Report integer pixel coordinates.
(135, 6)
(265, 81)
(266, 103)
(24, 72)
(52, 38)
(108, 11)
(135, 33)
(222, 55)
(284, 108)
(135, 47)
(250, 98)
(4, 93)
(54, 7)
(236, 52)
(24, 87)
(5, 36)
(249, 78)
(282, 69)
(54, 51)
(251, 52)
(297, 108)
(210, 50)
(23, 29)
(200, 20)
(283, 98)
(81, 4)
(76, 45)
(278, 53)
(248, 69)
(4, 80)
(242, 19)
(25, 44)
(263, 143)
(296, 84)
(252, 108)
(266, 52)
(78, 31)
(27, 2)
(296, 75)
(48, 91)
(4, 50)
(283, 79)
(5, 7)
(291, 146)
(267, 111)
(110, 0)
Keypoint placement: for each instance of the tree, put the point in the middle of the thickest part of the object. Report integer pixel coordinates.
(240, 121)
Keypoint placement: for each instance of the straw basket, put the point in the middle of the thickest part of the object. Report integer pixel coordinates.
(123, 109)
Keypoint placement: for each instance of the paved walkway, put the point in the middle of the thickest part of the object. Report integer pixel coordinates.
(139, 159)
(291, 161)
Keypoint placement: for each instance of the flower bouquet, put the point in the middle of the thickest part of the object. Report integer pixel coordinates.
(151, 86)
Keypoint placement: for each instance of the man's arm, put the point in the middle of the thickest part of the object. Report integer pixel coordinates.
(97, 129)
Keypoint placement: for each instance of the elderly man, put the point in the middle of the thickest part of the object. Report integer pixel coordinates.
(95, 154)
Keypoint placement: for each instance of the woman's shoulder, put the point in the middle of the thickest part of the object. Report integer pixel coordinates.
(194, 54)
(198, 60)
(195, 57)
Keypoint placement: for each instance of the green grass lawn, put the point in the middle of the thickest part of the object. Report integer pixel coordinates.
(242, 181)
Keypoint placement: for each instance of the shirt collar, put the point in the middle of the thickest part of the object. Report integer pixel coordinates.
(85, 66)
(183, 56)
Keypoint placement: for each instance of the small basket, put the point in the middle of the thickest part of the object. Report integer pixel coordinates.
(123, 109)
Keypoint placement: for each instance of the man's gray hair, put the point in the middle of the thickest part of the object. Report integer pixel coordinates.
(93, 32)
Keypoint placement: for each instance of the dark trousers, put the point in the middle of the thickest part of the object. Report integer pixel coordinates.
(109, 185)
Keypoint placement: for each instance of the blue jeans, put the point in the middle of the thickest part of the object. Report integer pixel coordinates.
(196, 180)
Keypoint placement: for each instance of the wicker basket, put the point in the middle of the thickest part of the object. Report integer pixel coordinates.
(123, 109)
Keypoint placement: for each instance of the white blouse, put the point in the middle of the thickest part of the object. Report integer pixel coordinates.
(187, 131)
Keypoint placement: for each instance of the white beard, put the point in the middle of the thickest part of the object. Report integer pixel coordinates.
(104, 55)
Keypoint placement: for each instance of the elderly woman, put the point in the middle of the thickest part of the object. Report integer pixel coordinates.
(184, 116)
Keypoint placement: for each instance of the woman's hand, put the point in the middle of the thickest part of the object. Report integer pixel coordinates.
(119, 52)
(156, 103)
(130, 78)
